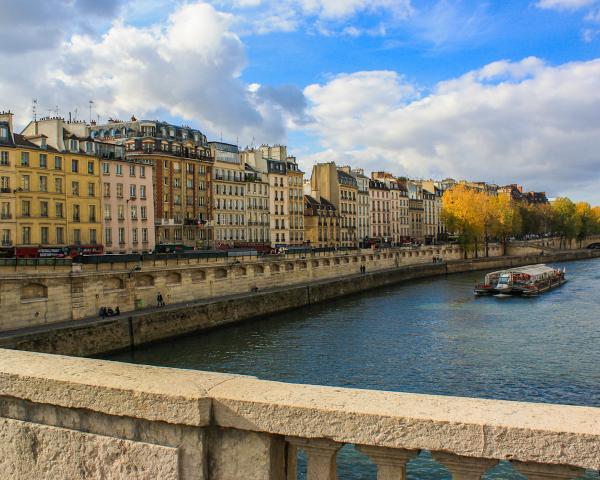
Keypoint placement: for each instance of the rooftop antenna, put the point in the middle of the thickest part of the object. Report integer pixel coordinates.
(91, 102)
(34, 108)
(75, 115)
(57, 111)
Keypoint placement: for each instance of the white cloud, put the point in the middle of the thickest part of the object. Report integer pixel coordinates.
(524, 122)
(564, 4)
(186, 67)
(326, 17)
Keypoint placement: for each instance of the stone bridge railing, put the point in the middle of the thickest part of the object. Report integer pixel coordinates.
(64, 417)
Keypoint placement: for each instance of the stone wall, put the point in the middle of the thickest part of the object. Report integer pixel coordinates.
(95, 336)
(63, 417)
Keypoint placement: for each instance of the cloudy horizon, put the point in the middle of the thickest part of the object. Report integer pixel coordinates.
(432, 88)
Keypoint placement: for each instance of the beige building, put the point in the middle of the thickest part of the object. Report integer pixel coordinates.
(228, 199)
(416, 211)
(379, 195)
(341, 189)
(363, 205)
(321, 222)
(257, 207)
(437, 229)
(286, 199)
(399, 230)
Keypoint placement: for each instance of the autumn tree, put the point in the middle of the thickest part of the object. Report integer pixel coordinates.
(566, 220)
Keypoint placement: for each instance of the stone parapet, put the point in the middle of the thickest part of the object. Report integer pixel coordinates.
(151, 422)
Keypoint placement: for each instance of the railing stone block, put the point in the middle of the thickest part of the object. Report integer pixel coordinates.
(541, 471)
(464, 468)
(391, 462)
(321, 457)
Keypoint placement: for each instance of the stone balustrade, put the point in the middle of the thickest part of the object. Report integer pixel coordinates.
(63, 417)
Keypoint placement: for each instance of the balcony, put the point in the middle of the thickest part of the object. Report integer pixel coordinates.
(5, 190)
(5, 216)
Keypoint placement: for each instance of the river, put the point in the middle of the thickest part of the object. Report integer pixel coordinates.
(426, 336)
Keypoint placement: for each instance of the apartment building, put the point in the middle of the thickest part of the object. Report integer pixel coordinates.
(363, 205)
(321, 222)
(379, 196)
(257, 207)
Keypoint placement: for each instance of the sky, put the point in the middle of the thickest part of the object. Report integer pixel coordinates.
(499, 91)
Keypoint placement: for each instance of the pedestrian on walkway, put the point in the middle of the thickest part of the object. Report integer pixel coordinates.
(159, 300)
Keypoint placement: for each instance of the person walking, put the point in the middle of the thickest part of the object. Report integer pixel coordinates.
(159, 300)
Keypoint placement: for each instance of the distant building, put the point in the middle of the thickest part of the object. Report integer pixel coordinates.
(321, 222)
(379, 195)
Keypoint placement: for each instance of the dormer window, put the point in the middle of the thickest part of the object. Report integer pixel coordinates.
(74, 145)
(4, 133)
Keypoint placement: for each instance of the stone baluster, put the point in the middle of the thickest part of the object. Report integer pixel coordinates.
(391, 462)
(464, 468)
(321, 457)
(542, 471)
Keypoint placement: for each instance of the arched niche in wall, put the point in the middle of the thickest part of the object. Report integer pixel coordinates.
(34, 291)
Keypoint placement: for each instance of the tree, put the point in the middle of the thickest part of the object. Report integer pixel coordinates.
(566, 220)
(460, 215)
(508, 219)
(584, 219)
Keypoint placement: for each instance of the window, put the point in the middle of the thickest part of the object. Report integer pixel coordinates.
(57, 163)
(177, 182)
(106, 189)
(132, 170)
(74, 165)
(121, 235)
(43, 160)
(43, 210)
(58, 185)
(142, 171)
(44, 235)
(144, 213)
(5, 183)
(43, 183)
(74, 145)
(107, 211)
(25, 208)
(24, 159)
(134, 212)
(121, 212)
(119, 190)
(60, 235)
(25, 182)
(76, 215)
(108, 236)
(143, 191)
(26, 235)
(77, 236)
(58, 206)
(132, 192)
(134, 235)
(91, 168)
(93, 239)
(144, 235)
(119, 170)
(3, 132)
(4, 159)
(75, 188)
(92, 213)
(91, 190)
(105, 168)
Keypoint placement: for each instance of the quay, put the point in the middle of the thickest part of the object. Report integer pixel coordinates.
(283, 284)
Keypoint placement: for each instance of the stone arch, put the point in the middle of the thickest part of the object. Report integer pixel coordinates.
(144, 281)
(274, 268)
(326, 262)
(355, 259)
(289, 266)
(302, 265)
(239, 271)
(336, 261)
(198, 276)
(173, 278)
(346, 260)
(34, 291)
(112, 283)
(371, 257)
(315, 263)
(220, 273)
(259, 270)
(363, 258)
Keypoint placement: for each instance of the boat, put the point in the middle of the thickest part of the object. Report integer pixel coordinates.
(527, 281)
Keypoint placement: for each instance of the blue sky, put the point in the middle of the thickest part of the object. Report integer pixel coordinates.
(501, 91)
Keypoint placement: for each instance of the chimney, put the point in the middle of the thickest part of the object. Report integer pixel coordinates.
(8, 118)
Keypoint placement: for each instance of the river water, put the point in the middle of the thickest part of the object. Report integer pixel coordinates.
(426, 336)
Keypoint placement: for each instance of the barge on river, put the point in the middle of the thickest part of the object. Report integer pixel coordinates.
(527, 281)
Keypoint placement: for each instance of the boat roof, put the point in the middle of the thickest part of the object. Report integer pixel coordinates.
(529, 269)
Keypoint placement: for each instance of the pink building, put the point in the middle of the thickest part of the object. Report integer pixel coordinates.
(127, 206)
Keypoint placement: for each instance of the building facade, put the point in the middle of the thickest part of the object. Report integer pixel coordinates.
(182, 175)
(379, 195)
(229, 199)
(257, 208)
(322, 223)
(127, 205)
(57, 196)
(363, 205)
(416, 211)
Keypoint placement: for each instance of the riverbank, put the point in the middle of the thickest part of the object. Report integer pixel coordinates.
(94, 336)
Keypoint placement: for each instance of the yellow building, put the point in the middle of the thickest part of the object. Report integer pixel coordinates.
(341, 190)
(52, 193)
(321, 222)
